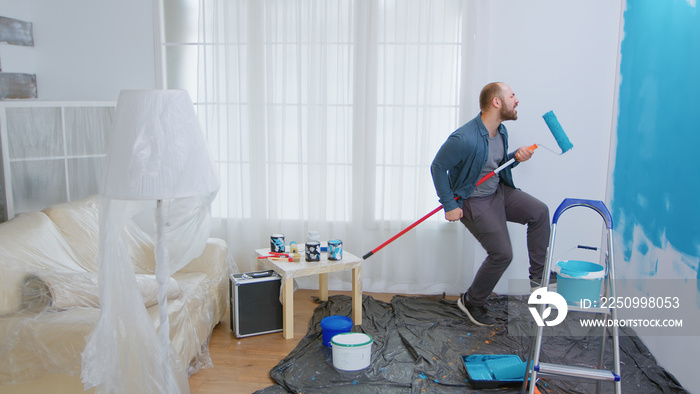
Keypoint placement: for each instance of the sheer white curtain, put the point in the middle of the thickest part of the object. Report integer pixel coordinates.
(325, 115)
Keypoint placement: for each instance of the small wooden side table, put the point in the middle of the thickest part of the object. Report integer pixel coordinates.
(291, 270)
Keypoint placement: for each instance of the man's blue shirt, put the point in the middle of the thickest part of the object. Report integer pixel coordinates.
(458, 163)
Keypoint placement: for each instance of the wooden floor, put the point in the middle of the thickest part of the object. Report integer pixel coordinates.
(243, 365)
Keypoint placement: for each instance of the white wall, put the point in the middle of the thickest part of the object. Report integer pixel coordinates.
(559, 56)
(15, 58)
(84, 49)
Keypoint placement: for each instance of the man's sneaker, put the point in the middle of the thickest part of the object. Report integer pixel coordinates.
(477, 314)
(536, 283)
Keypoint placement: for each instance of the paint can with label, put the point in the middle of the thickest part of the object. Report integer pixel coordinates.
(335, 250)
(313, 251)
(277, 243)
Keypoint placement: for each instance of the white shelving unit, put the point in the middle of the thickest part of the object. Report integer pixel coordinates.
(52, 152)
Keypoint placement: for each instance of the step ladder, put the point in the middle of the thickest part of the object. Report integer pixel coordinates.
(537, 369)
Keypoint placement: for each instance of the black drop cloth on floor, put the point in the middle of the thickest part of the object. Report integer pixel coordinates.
(419, 343)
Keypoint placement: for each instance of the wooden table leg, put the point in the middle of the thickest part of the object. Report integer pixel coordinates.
(357, 295)
(288, 309)
(323, 287)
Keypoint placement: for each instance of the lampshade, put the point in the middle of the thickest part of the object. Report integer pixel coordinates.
(157, 149)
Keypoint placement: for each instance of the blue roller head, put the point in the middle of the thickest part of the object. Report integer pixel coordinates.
(557, 131)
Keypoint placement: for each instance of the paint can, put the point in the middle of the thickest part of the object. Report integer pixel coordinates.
(335, 250)
(352, 351)
(277, 243)
(313, 251)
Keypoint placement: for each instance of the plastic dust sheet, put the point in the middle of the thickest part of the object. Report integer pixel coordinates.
(156, 152)
(419, 343)
(50, 301)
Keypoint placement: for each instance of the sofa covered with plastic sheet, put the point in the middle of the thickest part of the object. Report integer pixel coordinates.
(49, 295)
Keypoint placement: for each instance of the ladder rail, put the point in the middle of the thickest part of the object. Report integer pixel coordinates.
(615, 332)
(531, 374)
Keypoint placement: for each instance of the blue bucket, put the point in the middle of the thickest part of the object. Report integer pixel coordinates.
(578, 281)
(334, 325)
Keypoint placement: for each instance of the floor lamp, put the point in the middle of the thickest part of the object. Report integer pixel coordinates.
(156, 152)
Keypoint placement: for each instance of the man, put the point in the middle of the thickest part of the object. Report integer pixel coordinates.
(470, 153)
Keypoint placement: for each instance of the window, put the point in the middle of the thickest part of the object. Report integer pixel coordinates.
(316, 109)
(419, 48)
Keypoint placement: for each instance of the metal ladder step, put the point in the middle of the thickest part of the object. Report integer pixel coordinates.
(567, 371)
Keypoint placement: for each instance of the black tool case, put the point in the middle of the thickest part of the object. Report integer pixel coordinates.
(254, 299)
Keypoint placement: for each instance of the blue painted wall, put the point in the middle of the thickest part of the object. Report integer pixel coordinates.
(656, 179)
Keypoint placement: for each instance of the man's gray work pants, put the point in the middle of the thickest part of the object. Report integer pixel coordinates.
(486, 219)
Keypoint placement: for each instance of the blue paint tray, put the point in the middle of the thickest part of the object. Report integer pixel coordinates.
(488, 371)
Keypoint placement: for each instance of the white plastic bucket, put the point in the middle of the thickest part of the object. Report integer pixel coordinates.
(352, 351)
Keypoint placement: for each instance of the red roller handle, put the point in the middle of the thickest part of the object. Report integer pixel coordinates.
(392, 239)
(436, 210)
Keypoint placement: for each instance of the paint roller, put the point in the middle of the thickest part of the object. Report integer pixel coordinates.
(557, 132)
(562, 140)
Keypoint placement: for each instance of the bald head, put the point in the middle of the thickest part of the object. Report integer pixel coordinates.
(494, 89)
(498, 102)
